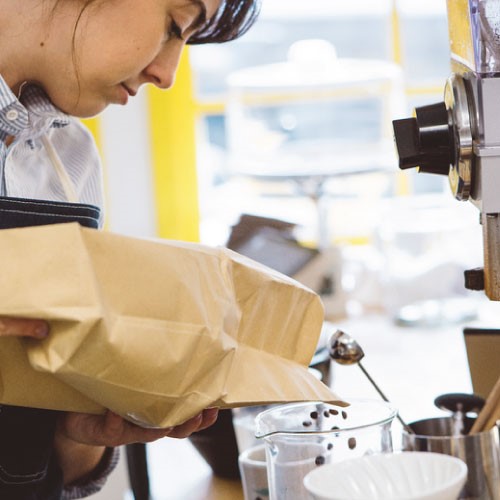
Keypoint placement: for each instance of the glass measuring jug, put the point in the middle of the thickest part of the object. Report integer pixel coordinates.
(302, 436)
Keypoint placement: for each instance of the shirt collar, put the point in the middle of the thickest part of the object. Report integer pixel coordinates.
(30, 115)
(38, 103)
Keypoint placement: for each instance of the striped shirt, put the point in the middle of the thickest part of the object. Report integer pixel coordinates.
(26, 171)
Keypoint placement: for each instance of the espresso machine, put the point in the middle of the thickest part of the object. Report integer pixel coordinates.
(460, 137)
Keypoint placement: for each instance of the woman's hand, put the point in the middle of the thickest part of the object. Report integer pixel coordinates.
(23, 327)
(112, 430)
(81, 439)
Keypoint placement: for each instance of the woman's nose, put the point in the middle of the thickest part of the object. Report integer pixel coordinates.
(161, 71)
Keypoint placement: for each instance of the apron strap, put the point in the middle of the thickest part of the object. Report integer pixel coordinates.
(67, 184)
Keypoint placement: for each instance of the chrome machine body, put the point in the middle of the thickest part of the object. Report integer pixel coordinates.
(460, 137)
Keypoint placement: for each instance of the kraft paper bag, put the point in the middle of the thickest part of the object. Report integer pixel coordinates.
(155, 331)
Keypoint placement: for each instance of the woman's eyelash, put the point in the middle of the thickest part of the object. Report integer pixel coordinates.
(174, 31)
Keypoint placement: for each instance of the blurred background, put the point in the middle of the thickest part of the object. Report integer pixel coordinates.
(280, 146)
(293, 122)
(141, 157)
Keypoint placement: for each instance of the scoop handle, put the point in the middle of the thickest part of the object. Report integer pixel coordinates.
(407, 428)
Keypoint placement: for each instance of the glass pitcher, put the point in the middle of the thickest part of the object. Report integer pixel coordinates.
(302, 436)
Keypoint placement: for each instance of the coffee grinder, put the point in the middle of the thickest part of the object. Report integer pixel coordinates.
(460, 137)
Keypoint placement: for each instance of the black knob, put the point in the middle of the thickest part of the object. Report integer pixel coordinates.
(426, 141)
(474, 279)
(464, 403)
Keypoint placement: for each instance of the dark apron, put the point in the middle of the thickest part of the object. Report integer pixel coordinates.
(28, 469)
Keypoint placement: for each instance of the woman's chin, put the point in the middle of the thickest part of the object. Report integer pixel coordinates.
(81, 108)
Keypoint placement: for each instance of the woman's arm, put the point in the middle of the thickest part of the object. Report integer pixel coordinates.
(79, 462)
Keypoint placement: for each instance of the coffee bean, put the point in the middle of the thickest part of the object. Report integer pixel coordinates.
(320, 460)
(334, 412)
(306, 423)
(329, 446)
(351, 442)
(326, 414)
(335, 428)
(314, 415)
(344, 415)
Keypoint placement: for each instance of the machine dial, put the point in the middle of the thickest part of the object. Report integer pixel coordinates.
(439, 139)
(426, 141)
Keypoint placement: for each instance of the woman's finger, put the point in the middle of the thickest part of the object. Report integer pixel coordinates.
(187, 428)
(23, 327)
(201, 421)
(209, 418)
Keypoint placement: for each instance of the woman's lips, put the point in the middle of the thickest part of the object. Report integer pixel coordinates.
(125, 93)
(131, 92)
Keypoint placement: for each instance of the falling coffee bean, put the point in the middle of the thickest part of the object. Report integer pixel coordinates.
(326, 414)
(314, 415)
(334, 412)
(344, 415)
(329, 446)
(335, 428)
(320, 460)
(306, 423)
(351, 442)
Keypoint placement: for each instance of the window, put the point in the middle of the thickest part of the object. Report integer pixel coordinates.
(359, 29)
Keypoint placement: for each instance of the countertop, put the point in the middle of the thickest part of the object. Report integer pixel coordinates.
(411, 365)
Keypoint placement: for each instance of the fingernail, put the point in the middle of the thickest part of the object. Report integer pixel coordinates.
(42, 331)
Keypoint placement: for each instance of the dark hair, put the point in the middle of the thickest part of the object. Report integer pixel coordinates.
(232, 20)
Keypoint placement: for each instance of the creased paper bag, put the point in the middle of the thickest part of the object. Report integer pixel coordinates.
(153, 330)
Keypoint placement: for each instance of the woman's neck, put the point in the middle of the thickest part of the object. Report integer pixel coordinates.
(21, 40)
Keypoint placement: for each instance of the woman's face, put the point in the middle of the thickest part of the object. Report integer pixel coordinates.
(118, 46)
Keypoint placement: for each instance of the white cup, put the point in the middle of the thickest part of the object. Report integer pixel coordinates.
(253, 470)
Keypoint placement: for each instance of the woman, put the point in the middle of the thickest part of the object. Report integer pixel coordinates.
(61, 59)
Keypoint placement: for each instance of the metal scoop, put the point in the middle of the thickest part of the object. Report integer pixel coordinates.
(346, 351)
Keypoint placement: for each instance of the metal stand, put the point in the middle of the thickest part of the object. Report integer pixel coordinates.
(137, 465)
